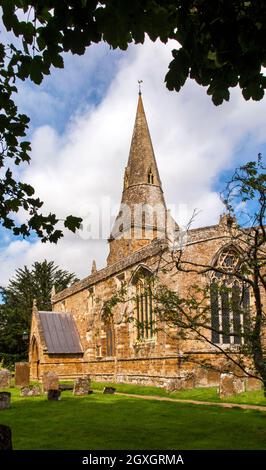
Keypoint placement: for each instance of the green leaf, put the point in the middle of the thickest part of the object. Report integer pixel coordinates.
(57, 61)
(72, 223)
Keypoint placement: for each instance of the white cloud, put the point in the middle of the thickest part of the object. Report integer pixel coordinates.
(64, 93)
(194, 142)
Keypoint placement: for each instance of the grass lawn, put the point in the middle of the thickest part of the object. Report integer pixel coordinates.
(100, 421)
(202, 394)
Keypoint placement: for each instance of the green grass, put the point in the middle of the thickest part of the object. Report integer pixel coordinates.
(202, 394)
(100, 421)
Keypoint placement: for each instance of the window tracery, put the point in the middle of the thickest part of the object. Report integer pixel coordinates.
(230, 301)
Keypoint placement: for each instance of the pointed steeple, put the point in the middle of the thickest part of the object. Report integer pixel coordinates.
(142, 167)
(142, 216)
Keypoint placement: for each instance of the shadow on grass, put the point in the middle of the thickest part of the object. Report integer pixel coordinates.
(107, 422)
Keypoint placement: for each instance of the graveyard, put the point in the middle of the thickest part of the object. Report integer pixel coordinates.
(78, 415)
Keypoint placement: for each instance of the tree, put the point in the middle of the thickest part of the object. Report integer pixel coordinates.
(222, 46)
(236, 279)
(224, 306)
(15, 313)
(16, 195)
(222, 43)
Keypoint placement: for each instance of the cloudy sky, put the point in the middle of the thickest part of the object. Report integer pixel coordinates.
(82, 119)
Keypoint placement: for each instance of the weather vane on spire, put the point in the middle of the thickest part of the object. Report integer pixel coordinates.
(139, 82)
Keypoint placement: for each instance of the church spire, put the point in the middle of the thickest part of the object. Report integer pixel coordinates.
(142, 216)
(142, 167)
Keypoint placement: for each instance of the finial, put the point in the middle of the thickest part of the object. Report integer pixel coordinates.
(139, 82)
(93, 268)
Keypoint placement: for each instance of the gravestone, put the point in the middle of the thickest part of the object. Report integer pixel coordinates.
(207, 377)
(50, 381)
(31, 391)
(5, 378)
(201, 377)
(22, 374)
(230, 385)
(188, 381)
(253, 384)
(82, 386)
(5, 399)
(173, 385)
(53, 395)
(213, 378)
(5, 437)
(109, 390)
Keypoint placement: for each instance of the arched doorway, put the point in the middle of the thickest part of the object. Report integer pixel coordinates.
(35, 361)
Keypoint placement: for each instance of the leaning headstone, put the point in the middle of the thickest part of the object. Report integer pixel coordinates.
(173, 385)
(53, 395)
(5, 378)
(109, 390)
(82, 386)
(253, 384)
(22, 374)
(5, 399)
(5, 438)
(201, 379)
(50, 381)
(230, 385)
(31, 391)
(188, 381)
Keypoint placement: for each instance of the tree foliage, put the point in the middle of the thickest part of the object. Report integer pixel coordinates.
(15, 313)
(222, 42)
(244, 272)
(222, 46)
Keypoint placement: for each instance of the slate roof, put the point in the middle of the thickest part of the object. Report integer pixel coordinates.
(60, 333)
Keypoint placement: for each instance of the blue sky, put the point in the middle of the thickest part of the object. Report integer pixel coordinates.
(81, 124)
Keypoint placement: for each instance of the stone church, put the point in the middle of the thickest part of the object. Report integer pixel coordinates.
(74, 339)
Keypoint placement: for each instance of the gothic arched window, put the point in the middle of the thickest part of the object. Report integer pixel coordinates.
(144, 310)
(110, 343)
(230, 301)
(143, 304)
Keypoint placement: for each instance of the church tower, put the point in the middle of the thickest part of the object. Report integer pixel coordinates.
(143, 214)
